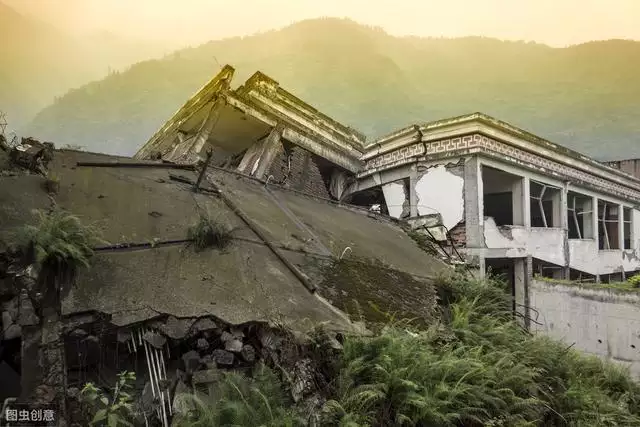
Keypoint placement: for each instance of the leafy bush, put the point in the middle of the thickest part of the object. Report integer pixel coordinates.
(240, 401)
(59, 242)
(207, 233)
(635, 281)
(115, 411)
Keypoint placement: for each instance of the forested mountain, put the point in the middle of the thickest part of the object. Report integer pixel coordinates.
(39, 62)
(584, 97)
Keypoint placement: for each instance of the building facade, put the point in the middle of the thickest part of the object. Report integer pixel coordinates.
(500, 197)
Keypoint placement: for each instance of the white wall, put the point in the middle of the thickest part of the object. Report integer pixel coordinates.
(395, 195)
(546, 244)
(599, 321)
(441, 191)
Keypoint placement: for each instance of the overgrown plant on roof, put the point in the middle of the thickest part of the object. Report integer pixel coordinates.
(207, 233)
(59, 243)
(52, 184)
(240, 401)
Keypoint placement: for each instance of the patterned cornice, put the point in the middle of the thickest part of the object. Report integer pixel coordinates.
(488, 146)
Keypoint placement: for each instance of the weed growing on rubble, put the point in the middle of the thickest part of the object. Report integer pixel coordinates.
(207, 233)
(58, 242)
(241, 401)
(115, 410)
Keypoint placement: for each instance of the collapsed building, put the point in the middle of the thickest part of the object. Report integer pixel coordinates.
(320, 220)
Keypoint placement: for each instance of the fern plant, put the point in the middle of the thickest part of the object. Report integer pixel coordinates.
(240, 401)
(58, 242)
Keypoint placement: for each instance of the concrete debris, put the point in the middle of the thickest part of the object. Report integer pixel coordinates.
(234, 345)
(33, 155)
(27, 314)
(175, 328)
(222, 357)
(226, 336)
(13, 331)
(78, 333)
(248, 353)
(155, 339)
(123, 336)
(236, 332)
(191, 361)
(204, 324)
(11, 307)
(202, 344)
(207, 376)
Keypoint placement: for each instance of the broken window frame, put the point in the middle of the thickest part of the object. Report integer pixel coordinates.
(540, 200)
(627, 227)
(602, 220)
(574, 213)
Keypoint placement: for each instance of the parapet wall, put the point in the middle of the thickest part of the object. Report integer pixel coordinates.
(599, 321)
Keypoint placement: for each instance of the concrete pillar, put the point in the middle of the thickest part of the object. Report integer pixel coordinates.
(517, 192)
(473, 203)
(520, 288)
(269, 151)
(207, 126)
(594, 225)
(621, 227)
(526, 202)
(413, 196)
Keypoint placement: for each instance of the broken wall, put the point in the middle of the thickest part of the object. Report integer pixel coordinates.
(298, 169)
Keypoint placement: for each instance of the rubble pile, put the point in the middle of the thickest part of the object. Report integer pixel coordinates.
(194, 353)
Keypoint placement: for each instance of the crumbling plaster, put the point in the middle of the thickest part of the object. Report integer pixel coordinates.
(395, 195)
(440, 190)
(585, 256)
(546, 244)
(597, 321)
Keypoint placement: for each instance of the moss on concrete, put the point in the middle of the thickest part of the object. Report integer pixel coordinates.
(371, 291)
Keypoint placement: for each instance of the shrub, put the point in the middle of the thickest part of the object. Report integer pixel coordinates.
(207, 233)
(635, 281)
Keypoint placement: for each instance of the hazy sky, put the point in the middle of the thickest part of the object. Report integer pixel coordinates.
(554, 22)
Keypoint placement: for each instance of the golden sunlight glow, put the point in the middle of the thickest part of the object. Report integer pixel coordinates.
(179, 22)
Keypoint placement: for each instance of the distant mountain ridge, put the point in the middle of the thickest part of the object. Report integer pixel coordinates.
(39, 62)
(584, 97)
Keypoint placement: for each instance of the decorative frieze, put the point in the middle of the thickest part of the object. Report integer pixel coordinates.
(514, 154)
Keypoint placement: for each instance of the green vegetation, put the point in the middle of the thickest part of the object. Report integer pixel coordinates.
(114, 411)
(52, 184)
(207, 233)
(241, 401)
(577, 96)
(630, 285)
(58, 243)
(475, 367)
